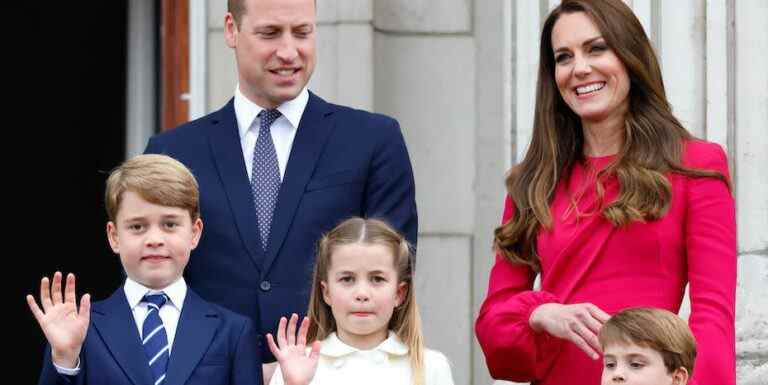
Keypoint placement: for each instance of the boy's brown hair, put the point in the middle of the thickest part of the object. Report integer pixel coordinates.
(657, 329)
(158, 179)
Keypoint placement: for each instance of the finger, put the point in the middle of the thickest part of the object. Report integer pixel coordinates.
(314, 354)
(56, 289)
(85, 308)
(292, 329)
(35, 309)
(588, 338)
(69, 289)
(45, 294)
(281, 333)
(303, 332)
(272, 347)
(598, 313)
(583, 345)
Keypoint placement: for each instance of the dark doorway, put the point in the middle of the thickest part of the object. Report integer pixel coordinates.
(67, 130)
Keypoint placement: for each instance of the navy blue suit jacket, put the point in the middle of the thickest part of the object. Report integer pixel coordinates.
(212, 346)
(344, 162)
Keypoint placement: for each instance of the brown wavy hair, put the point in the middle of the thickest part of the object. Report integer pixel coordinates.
(652, 147)
(405, 321)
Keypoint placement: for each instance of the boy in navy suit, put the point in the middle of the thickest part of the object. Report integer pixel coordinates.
(154, 329)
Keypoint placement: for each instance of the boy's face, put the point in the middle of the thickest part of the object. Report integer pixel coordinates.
(154, 242)
(630, 364)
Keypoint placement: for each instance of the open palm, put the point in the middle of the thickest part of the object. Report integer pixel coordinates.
(297, 367)
(63, 325)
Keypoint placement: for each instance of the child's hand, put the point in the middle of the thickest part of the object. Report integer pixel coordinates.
(297, 367)
(63, 326)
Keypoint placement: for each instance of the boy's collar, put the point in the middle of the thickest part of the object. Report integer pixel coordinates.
(334, 347)
(135, 291)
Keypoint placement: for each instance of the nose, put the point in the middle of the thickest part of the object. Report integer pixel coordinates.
(618, 376)
(581, 66)
(287, 51)
(154, 237)
(362, 293)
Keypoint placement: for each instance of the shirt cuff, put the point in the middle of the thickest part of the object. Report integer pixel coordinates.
(66, 371)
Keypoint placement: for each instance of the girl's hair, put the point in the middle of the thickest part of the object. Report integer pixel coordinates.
(653, 137)
(405, 321)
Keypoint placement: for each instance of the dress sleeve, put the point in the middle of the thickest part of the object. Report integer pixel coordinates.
(513, 351)
(710, 242)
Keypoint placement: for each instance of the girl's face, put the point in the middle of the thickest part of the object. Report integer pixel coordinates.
(362, 291)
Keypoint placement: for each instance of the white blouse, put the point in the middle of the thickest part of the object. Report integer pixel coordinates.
(388, 363)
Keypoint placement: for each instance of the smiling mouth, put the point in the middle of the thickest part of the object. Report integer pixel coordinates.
(588, 89)
(285, 72)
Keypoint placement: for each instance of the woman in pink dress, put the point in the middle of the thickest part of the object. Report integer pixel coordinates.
(616, 205)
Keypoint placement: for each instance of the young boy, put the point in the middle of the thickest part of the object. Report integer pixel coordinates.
(646, 346)
(154, 329)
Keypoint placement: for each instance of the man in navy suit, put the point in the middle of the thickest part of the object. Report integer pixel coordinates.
(278, 166)
(154, 329)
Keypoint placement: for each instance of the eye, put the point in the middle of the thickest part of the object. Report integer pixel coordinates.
(636, 365)
(170, 225)
(268, 34)
(610, 365)
(598, 48)
(135, 227)
(346, 279)
(562, 58)
(378, 279)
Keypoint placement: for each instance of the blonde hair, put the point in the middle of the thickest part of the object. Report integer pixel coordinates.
(405, 321)
(158, 179)
(657, 329)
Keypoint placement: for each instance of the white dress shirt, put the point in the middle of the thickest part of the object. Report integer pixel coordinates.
(283, 129)
(387, 364)
(169, 313)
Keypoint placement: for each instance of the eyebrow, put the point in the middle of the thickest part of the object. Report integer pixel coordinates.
(586, 43)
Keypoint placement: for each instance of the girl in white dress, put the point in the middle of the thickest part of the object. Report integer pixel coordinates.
(363, 324)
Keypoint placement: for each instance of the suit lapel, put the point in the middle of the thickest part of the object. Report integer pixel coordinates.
(228, 159)
(197, 326)
(115, 324)
(311, 136)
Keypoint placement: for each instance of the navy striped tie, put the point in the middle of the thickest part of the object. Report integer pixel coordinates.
(154, 338)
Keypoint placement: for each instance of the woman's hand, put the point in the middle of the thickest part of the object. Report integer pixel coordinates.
(298, 368)
(63, 325)
(578, 323)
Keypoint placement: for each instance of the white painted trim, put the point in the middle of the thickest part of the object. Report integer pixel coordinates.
(141, 95)
(526, 71)
(717, 72)
(198, 55)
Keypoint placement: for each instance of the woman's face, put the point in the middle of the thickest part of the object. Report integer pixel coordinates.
(590, 77)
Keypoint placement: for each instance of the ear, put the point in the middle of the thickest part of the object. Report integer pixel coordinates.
(680, 376)
(326, 296)
(230, 30)
(114, 240)
(197, 232)
(402, 291)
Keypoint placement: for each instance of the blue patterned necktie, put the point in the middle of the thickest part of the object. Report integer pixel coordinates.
(154, 338)
(265, 174)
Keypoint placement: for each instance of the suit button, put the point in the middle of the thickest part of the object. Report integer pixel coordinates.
(265, 285)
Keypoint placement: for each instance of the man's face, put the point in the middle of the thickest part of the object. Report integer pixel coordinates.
(274, 48)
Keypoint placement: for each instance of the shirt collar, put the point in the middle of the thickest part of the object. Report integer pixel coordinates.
(246, 111)
(334, 347)
(135, 291)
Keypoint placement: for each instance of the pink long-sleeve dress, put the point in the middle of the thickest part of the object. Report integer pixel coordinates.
(584, 258)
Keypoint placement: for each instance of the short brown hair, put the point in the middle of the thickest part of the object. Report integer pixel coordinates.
(158, 179)
(657, 329)
(237, 9)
